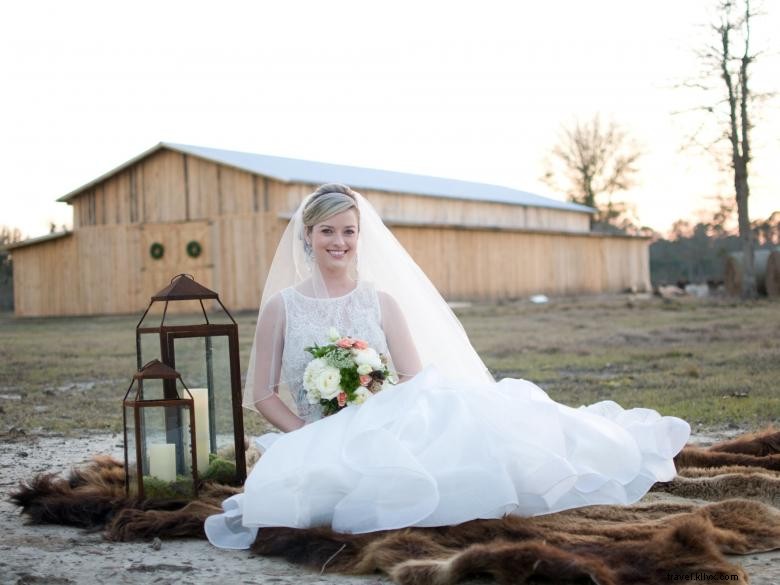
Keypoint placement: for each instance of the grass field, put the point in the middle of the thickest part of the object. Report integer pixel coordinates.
(713, 362)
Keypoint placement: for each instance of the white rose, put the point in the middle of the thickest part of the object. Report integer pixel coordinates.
(328, 382)
(333, 334)
(364, 369)
(361, 395)
(311, 373)
(367, 356)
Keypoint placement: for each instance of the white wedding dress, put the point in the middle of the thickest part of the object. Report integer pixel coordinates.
(432, 451)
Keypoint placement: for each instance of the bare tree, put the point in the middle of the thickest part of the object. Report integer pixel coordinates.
(9, 235)
(726, 83)
(592, 162)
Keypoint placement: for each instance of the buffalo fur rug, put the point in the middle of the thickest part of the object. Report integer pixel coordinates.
(660, 539)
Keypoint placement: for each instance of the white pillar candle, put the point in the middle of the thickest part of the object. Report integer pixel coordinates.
(162, 461)
(202, 436)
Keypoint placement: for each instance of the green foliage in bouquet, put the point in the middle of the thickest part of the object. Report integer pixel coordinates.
(320, 351)
(338, 357)
(350, 381)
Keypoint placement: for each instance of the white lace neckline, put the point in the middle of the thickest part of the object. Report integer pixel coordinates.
(344, 296)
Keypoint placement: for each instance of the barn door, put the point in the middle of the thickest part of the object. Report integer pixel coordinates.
(169, 249)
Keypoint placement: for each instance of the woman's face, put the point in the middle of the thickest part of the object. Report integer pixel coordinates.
(334, 241)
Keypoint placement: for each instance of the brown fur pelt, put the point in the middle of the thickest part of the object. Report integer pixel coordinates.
(94, 497)
(760, 449)
(604, 545)
(755, 485)
(759, 444)
(643, 543)
(745, 467)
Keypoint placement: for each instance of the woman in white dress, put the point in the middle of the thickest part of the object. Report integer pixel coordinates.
(446, 444)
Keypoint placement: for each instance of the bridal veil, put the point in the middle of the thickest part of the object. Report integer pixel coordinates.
(381, 259)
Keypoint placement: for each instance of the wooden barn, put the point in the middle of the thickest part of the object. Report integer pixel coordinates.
(218, 215)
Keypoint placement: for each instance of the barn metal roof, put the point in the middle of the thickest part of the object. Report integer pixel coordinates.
(290, 170)
(39, 239)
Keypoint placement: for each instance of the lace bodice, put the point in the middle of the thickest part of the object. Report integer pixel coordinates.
(308, 321)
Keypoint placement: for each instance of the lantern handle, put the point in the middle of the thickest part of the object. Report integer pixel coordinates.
(180, 275)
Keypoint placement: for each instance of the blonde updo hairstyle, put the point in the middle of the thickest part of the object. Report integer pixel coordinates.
(328, 200)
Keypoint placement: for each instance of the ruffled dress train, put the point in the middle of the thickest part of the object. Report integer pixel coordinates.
(432, 452)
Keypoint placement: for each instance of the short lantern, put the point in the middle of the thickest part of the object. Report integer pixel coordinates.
(202, 345)
(160, 433)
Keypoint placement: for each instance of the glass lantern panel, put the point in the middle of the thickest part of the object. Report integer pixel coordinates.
(148, 347)
(154, 389)
(130, 445)
(166, 452)
(148, 343)
(204, 364)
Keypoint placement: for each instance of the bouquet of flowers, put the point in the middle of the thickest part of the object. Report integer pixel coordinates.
(344, 372)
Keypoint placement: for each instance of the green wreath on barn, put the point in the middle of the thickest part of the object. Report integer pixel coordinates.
(156, 250)
(194, 249)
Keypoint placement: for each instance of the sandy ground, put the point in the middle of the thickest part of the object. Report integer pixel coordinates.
(55, 555)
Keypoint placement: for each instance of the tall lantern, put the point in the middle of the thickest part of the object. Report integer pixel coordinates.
(202, 345)
(160, 450)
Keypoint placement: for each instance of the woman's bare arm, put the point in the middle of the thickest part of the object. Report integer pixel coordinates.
(278, 414)
(399, 338)
(269, 347)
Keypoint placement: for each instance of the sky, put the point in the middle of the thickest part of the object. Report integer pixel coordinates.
(465, 90)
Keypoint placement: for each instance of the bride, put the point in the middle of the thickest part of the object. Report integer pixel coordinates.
(446, 444)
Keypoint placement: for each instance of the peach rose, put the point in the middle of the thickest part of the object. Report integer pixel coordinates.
(360, 344)
(345, 342)
(342, 398)
(365, 380)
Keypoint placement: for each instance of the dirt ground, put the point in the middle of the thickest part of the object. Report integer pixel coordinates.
(55, 555)
(712, 362)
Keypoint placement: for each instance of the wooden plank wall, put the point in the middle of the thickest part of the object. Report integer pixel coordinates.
(245, 240)
(401, 207)
(152, 190)
(163, 187)
(107, 269)
(243, 262)
(45, 276)
(421, 210)
(481, 264)
(93, 271)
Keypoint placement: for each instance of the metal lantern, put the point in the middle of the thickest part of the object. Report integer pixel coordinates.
(160, 433)
(202, 345)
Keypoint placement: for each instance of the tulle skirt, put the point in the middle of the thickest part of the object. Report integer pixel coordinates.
(432, 452)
